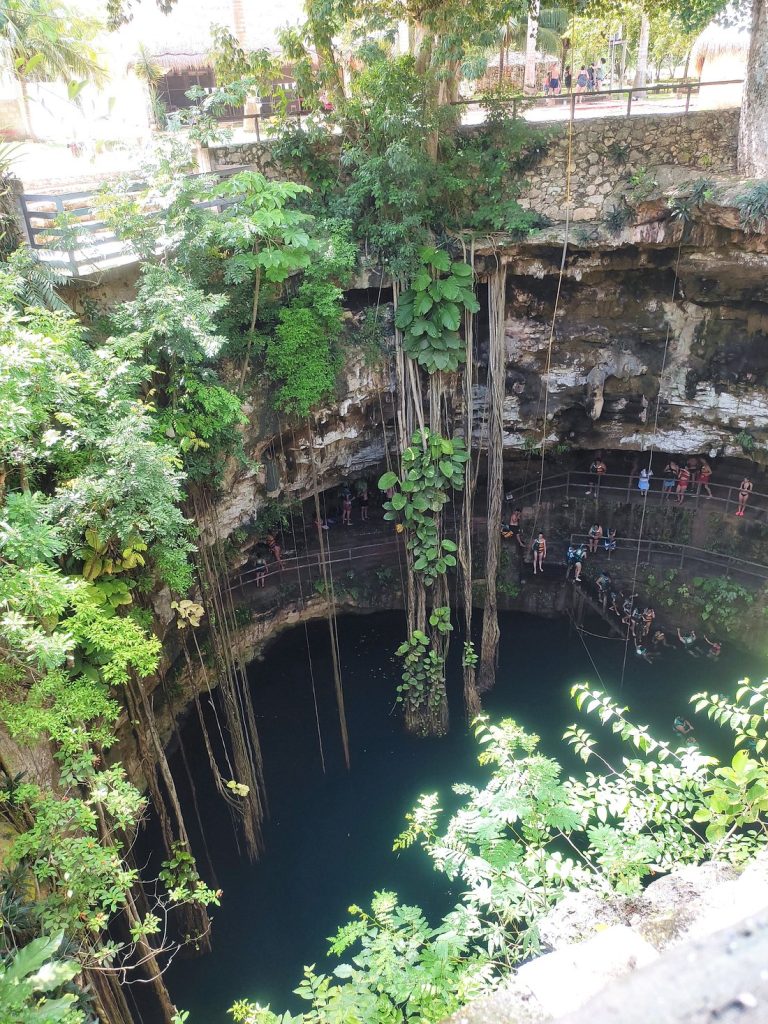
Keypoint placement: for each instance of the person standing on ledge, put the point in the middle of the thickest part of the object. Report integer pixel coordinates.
(745, 489)
(539, 550)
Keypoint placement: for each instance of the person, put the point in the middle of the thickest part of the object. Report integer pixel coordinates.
(275, 549)
(574, 559)
(513, 529)
(628, 609)
(591, 77)
(610, 540)
(745, 489)
(539, 549)
(683, 726)
(318, 522)
(363, 499)
(568, 79)
(582, 79)
(683, 479)
(714, 647)
(670, 478)
(642, 651)
(600, 74)
(603, 584)
(547, 83)
(687, 640)
(644, 481)
(595, 536)
(597, 471)
(616, 597)
(554, 82)
(260, 567)
(648, 616)
(346, 509)
(703, 478)
(660, 639)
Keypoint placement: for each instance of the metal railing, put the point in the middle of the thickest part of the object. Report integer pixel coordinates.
(68, 231)
(583, 100)
(671, 555)
(314, 561)
(724, 498)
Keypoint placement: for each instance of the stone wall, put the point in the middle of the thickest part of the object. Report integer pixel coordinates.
(672, 147)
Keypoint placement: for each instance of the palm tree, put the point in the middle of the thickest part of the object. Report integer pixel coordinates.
(45, 41)
(148, 70)
(541, 32)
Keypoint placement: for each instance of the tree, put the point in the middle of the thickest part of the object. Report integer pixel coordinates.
(753, 124)
(44, 40)
(641, 67)
(530, 46)
(148, 70)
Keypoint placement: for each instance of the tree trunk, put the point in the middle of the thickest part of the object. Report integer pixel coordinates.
(26, 114)
(753, 125)
(529, 82)
(641, 69)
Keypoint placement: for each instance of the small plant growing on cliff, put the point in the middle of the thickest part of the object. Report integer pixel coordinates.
(752, 205)
(617, 218)
(642, 185)
(745, 441)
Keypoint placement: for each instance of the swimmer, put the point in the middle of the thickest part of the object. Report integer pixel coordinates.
(682, 726)
(714, 648)
(687, 641)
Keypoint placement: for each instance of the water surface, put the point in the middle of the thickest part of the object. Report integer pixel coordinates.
(329, 837)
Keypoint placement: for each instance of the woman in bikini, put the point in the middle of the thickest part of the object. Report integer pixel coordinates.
(683, 479)
(745, 489)
(539, 549)
(346, 510)
(595, 536)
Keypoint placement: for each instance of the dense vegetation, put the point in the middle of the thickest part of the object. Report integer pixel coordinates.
(118, 428)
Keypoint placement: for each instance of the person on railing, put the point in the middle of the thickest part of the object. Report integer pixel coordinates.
(671, 471)
(595, 535)
(512, 529)
(260, 566)
(703, 477)
(574, 559)
(683, 480)
(745, 489)
(644, 481)
(539, 552)
(597, 471)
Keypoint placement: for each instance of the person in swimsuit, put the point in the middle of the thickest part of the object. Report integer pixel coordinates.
(610, 540)
(703, 478)
(539, 550)
(714, 648)
(660, 639)
(648, 616)
(670, 478)
(683, 726)
(642, 652)
(568, 79)
(275, 549)
(745, 489)
(346, 510)
(603, 584)
(595, 536)
(318, 523)
(261, 571)
(644, 481)
(687, 641)
(513, 530)
(597, 471)
(363, 499)
(582, 79)
(554, 82)
(683, 479)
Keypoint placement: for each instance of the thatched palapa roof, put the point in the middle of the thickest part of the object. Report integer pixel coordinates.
(718, 41)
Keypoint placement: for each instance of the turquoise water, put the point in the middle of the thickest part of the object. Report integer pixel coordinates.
(329, 837)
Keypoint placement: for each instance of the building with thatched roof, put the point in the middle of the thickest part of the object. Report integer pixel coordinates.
(720, 54)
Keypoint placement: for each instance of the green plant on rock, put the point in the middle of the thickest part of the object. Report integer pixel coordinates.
(752, 205)
(423, 672)
(432, 465)
(430, 312)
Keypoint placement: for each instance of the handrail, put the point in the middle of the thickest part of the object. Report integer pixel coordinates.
(722, 494)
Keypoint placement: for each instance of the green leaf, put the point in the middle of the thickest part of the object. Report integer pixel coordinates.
(387, 480)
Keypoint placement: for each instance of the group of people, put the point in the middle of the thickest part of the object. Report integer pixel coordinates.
(589, 78)
(640, 623)
(342, 513)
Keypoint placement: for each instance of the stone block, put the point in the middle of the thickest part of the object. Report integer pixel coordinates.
(585, 213)
(565, 980)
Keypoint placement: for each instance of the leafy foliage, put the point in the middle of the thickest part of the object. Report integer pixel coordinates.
(432, 464)
(430, 312)
(29, 981)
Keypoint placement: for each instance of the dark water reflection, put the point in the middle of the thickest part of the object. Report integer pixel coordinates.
(329, 838)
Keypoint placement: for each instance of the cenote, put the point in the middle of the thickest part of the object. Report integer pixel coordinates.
(329, 836)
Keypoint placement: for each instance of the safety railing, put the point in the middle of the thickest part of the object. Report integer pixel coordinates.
(584, 100)
(670, 555)
(315, 561)
(68, 230)
(725, 497)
